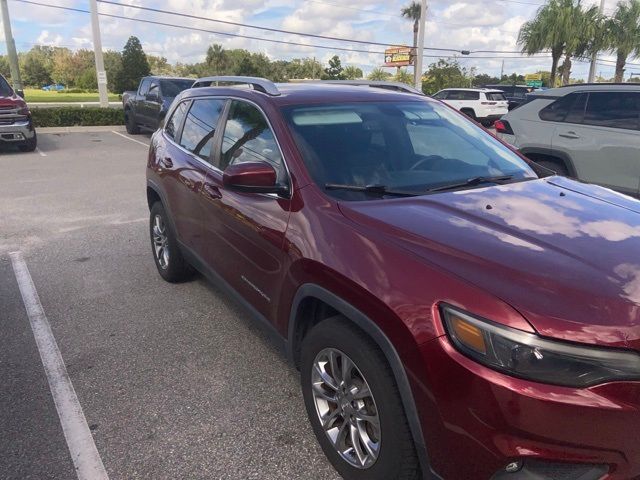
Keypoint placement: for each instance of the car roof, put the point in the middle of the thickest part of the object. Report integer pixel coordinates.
(310, 93)
(485, 90)
(591, 87)
(165, 77)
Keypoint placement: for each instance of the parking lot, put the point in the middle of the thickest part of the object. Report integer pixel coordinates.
(174, 381)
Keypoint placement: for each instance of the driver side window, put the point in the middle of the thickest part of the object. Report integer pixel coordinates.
(248, 138)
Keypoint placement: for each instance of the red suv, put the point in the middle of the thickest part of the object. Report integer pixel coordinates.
(453, 312)
(16, 126)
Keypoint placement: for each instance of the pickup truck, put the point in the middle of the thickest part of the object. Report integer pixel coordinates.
(146, 107)
(16, 125)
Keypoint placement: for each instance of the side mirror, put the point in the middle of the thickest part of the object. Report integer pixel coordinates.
(256, 177)
(153, 97)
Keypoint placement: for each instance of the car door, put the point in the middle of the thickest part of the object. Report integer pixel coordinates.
(151, 105)
(600, 135)
(185, 160)
(245, 231)
(140, 101)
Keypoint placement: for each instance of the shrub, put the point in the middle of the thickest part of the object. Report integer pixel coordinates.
(74, 116)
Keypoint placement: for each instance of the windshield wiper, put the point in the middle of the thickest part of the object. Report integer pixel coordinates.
(471, 182)
(375, 189)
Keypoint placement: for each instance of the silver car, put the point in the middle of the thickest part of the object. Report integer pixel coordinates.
(590, 132)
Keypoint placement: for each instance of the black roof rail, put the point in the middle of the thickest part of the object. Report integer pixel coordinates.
(396, 86)
(261, 84)
(601, 84)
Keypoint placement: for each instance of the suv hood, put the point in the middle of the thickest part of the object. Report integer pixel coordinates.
(564, 254)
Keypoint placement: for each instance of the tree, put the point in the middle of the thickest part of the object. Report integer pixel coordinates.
(334, 70)
(4, 66)
(87, 79)
(412, 12)
(134, 66)
(403, 76)
(623, 34)
(217, 60)
(34, 70)
(546, 31)
(484, 79)
(581, 36)
(159, 65)
(352, 73)
(304, 68)
(378, 74)
(444, 74)
(112, 65)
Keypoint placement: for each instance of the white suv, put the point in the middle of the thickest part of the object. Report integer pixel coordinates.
(481, 104)
(590, 132)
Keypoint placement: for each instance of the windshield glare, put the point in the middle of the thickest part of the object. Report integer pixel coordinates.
(171, 88)
(405, 146)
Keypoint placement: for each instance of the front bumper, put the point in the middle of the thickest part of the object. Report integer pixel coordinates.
(478, 421)
(18, 131)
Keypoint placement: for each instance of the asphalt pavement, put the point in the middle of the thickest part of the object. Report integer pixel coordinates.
(174, 381)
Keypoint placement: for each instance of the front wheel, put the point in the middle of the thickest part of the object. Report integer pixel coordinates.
(354, 405)
(29, 145)
(130, 123)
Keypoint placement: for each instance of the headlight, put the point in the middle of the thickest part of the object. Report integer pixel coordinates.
(529, 356)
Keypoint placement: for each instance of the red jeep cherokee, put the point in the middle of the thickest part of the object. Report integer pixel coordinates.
(453, 313)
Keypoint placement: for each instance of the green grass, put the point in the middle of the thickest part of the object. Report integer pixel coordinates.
(34, 95)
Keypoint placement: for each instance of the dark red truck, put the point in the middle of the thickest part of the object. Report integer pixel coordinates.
(16, 126)
(455, 312)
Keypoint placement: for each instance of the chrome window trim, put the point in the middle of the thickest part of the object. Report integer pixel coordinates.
(213, 167)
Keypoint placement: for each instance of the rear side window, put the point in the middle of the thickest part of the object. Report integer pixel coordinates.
(470, 95)
(440, 95)
(558, 110)
(463, 95)
(613, 109)
(496, 97)
(200, 126)
(175, 121)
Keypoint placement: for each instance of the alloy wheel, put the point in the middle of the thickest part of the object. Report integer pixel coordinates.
(346, 408)
(160, 242)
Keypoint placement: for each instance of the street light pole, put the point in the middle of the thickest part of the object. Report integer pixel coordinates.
(101, 75)
(417, 73)
(11, 48)
(594, 57)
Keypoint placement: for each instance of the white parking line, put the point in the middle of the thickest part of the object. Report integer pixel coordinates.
(40, 152)
(129, 138)
(84, 453)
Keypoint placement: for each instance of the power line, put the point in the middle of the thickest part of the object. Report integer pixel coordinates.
(286, 42)
(267, 29)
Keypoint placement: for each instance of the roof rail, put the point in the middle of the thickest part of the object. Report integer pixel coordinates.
(397, 86)
(261, 84)
(601, 84)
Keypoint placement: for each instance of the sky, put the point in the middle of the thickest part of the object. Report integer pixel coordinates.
(459, 25)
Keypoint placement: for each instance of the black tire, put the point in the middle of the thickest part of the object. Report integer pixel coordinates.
(173, 268)
(29, 145)
(469, 113)
(555, 165)
(130, 123)
(396, 459)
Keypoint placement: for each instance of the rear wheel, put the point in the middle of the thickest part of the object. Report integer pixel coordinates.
(354, 405)
(469, 113)
(169, 259)
(130, 123)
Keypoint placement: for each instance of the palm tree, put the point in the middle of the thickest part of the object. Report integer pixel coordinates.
(378, 74)
(412, 12)
(563, 27)
(403, 76)
(583, 36)
(623, 34)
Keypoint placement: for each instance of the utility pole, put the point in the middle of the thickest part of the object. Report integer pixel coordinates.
(101, 75)
(11, 48)
(594, 57)
(417, 72)
(502, 70)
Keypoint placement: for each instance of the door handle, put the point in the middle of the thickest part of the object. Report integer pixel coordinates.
(571, 135)
(211, 191)
(166, 162)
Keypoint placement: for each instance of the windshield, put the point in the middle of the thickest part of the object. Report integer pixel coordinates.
(171, 88)
(5, 89)
(413, 146)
